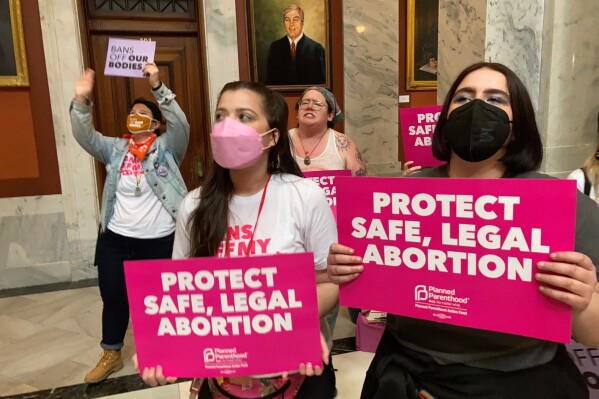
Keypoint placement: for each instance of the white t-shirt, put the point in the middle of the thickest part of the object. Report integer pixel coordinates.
(138, 217)
(578, 175)
(295, 217)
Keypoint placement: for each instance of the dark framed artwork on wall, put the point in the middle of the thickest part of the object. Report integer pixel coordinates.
(422, 44)
(13, 61)
(289, 43)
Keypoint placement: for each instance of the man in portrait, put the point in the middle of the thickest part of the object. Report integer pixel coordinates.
(295, 59)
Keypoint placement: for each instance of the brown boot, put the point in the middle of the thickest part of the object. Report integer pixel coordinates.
(109, 363)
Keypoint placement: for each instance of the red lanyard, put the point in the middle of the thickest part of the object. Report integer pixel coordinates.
(251, 242)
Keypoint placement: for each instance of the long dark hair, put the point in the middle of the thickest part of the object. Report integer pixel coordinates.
(208, 222)
(525, 152)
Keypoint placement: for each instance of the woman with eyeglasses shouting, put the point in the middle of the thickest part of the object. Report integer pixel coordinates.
(140, 201)
(315, 145)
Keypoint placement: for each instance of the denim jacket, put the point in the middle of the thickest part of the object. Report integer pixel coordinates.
(161, 164)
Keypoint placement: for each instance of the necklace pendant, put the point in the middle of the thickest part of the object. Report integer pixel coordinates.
(137, 191)
(307, 160)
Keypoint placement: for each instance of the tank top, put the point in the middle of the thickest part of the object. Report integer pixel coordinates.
(328, 160)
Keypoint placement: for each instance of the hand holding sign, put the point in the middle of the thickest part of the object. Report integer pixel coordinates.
(408, 169)
(150, 70)
(342, 266)
(308, 369)
(574, 276)
(153, 376)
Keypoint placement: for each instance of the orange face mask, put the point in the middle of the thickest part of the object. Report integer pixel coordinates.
(138, 123)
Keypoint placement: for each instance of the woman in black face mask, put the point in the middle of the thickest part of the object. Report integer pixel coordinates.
(487, 126)
(487, 129)
(587, 177)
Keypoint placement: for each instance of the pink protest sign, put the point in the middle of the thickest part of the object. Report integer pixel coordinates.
(587, 361)
(326, 180)
(127, 57)
(458, 251)
(210, 317)
(417, 126)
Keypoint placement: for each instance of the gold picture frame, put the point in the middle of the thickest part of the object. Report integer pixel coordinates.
(422, 45)
(13, 60)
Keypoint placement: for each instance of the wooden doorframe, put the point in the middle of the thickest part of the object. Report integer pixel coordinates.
(85, 30)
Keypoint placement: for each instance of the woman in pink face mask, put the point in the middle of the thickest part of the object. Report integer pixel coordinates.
(256, 187)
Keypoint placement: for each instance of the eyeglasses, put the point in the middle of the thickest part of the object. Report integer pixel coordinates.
(304, 104)
(295, 20)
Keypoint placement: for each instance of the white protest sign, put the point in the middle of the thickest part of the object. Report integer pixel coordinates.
(127, 57)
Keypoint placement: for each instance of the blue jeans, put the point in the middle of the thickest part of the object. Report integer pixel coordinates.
(111, 251)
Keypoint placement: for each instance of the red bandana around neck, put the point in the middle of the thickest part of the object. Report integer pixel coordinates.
(140, 149)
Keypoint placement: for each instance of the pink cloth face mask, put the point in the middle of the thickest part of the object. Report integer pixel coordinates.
(236, 145)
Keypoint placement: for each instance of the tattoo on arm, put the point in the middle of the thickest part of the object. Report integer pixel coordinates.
(353, 162)
(343, 142)
(362, 170)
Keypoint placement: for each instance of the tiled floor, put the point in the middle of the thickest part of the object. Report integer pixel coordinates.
(50, 340)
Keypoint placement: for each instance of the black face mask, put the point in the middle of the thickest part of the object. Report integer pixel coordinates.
(476, 130)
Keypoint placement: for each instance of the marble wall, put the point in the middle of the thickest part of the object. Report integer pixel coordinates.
(371, 72)
(460, 40)
(221, 46)
(551, 45)
(570, 84)
(47, 239)
(515, 38)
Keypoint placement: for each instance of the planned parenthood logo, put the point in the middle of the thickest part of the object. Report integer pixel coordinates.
(443, 302)
(420, 293)
(225, 359)
(209, 356)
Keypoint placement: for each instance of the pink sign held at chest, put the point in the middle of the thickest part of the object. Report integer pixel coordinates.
(417, 127)
(326, 180)
(210, 317)
(458, 251)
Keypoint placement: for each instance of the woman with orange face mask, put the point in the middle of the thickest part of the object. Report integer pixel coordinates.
(141, 197)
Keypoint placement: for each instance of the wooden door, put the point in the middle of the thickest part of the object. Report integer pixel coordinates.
(179, 57)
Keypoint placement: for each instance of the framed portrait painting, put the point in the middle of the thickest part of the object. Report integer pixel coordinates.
(289, 43)
(422, 46)
(13, 64)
